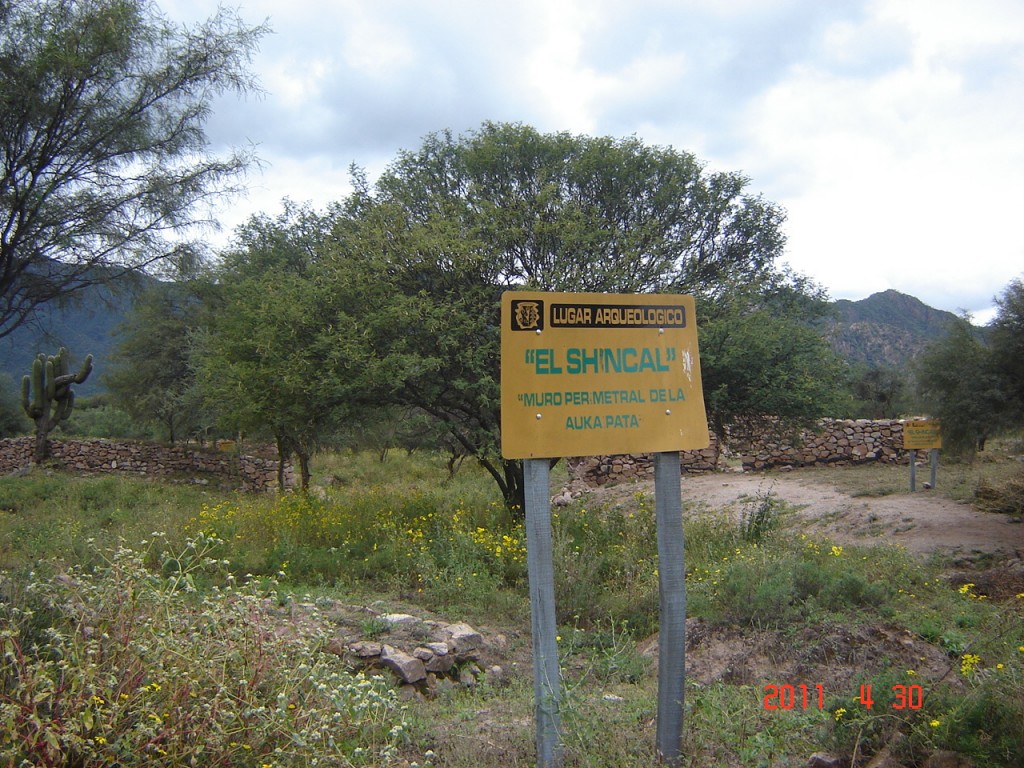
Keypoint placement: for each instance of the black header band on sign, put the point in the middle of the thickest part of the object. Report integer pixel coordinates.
(617, 316)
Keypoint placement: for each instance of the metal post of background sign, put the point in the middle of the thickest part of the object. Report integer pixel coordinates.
(540, 569)
(591, 373)
(922, 434)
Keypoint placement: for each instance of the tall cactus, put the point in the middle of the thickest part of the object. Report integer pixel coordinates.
(46, 395)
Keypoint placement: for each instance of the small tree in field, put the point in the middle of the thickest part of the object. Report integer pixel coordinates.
(1007, 337)
(47, 398)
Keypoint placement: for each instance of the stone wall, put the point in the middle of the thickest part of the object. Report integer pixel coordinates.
(608, 470)
(149, 459)
(834, 442)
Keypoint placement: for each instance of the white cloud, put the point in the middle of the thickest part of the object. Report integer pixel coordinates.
(905, 178)
(889, 129)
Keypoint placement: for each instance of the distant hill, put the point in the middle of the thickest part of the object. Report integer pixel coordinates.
(887, 328)
(84, 326)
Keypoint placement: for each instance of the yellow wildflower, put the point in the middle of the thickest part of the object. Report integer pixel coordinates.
(968, 663)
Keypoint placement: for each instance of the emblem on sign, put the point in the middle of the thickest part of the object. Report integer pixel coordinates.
(527, 315)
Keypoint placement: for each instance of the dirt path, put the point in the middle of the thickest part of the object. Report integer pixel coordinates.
(923, 522)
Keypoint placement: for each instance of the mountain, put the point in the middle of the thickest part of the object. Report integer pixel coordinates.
(888, 328)
(85, 326)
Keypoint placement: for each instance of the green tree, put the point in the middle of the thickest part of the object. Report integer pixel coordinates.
(878, 392)
(151, 377)
(261, 363)
(106, 168)
(958, 383)
(577, 213)
(765, 363)
(449, 226)
(1007, 339)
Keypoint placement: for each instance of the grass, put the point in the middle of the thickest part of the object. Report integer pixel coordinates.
(957, 480)
(400, 532)
(49, 514)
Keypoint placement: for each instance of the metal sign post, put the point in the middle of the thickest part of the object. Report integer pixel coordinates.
(591, 373)
(672, 593)
(540, 569)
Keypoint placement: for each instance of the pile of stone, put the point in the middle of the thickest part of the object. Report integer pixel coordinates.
(605, 470)
(834, 442)
(423, 655)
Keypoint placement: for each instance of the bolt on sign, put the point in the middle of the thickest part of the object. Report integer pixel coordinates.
(586, 374)
(921, 435)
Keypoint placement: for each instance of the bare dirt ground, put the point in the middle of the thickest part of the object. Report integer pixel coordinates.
(923, 522)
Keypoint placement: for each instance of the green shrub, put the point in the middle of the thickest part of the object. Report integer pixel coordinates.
(118, 665)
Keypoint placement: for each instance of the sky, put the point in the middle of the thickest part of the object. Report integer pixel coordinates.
(891, 131)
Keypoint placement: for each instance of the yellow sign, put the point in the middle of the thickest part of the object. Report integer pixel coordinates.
(921, 434)
(586, 374)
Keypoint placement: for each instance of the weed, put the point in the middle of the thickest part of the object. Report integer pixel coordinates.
(120, 665)
(760, 516)
(609, 650)
(373, 627)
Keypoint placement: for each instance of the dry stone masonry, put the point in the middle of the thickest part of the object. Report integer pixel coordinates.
(834, 442)
(148, 459)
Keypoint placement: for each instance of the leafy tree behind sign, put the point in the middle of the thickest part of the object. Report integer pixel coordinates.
(102, 109)
(764, 361)
(449, 226)
(958, 385)
(393, 299)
